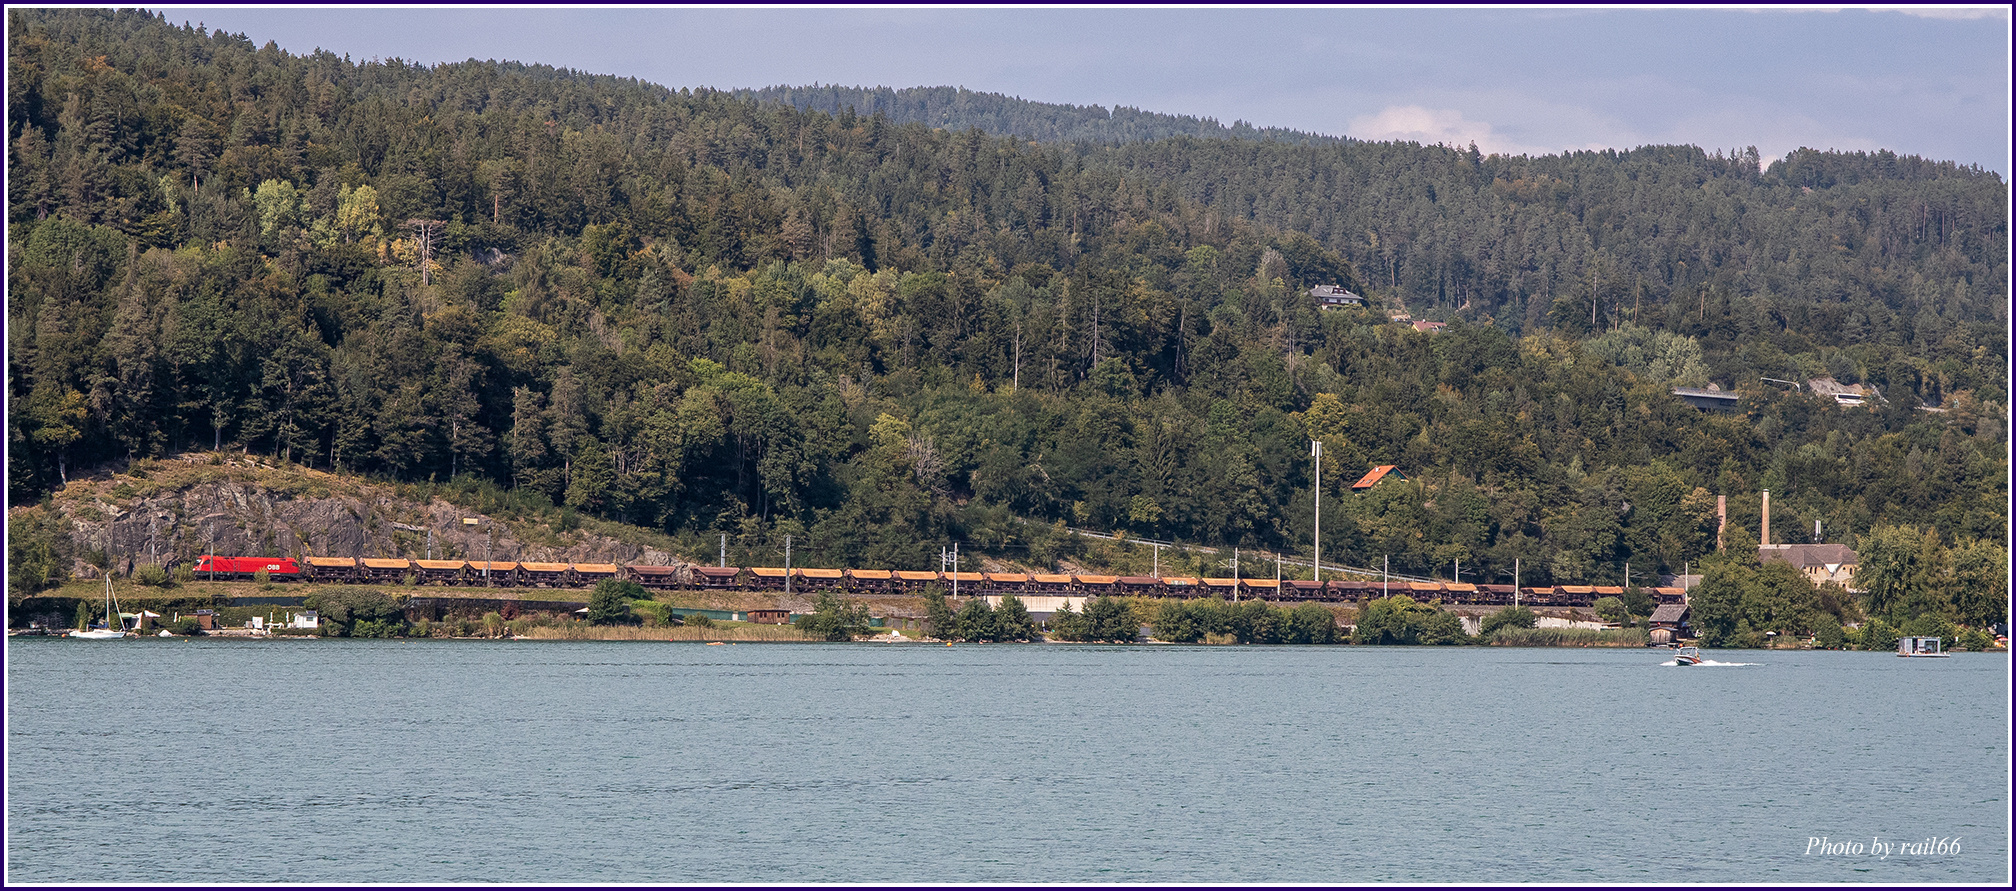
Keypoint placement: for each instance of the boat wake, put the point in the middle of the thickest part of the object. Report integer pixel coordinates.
(1710, 663)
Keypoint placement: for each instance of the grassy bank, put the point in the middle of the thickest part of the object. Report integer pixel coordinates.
(1569, 637)
(723, 631)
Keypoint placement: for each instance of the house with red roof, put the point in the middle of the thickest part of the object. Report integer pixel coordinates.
(1382, 472)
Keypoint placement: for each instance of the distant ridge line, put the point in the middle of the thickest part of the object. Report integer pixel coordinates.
(1003, 115)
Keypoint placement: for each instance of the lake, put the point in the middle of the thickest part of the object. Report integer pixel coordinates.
(205, 761)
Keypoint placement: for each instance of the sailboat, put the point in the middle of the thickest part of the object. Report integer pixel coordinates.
(111, 616)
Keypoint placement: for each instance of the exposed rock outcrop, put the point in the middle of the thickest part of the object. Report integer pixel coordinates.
(173, 510)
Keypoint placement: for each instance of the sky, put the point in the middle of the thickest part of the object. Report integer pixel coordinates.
(1927, 81)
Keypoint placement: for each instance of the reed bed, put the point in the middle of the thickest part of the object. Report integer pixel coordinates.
(1569, 637)
(730, 633)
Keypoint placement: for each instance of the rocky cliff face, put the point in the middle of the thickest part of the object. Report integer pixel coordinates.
(170, 511)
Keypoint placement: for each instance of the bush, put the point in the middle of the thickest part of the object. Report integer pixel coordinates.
(939, 613)
(611, 602)
(38, 550)
(836, 619)
(1509, 617)
(1827, 633)
(186, 626)
(1612, 610)
(1388, 620)
(185, 574)
(1109, 619)
(1442, 628)
(1069, 624)
(1977, 640)
(353, 613)
(152, 576)
(700, 620)
(974, 621)
(1012, 621)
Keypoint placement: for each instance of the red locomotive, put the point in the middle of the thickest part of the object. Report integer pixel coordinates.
(278, 569)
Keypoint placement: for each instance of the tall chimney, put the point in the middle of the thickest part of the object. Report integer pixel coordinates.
(1765, 539)
(1721, 518)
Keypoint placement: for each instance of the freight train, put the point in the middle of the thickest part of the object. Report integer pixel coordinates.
(495, 574)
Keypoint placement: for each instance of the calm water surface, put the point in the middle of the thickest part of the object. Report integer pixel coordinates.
(461, 761)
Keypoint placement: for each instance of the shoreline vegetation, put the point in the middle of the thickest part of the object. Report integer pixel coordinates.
(624, 611)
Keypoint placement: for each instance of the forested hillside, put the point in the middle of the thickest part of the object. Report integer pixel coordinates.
(957, 108)
(1856, 254)
(701, 313)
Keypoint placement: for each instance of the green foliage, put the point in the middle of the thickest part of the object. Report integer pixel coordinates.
(359, 612)
(1611, 609)
(1012, 620)
(1638, 602)
(1827, 633)
(975, 621)
(1442, 627)
(699, 620)
(835, 618)
(1108, 619)
(843, 327)
(1877, 635)
(38, 551)
(1185, 621)
(1390, 620)
(1105, 619)
(152, 576)
(186, 626)
(1069, 624)
(1401, 620)
(611, 602)
(939, 614)
(1509, 617)
(1977, 640)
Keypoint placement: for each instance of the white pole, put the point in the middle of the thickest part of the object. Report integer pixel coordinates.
(787, 565)
(955, 570)
(1316, 451)
(1515, 581)
(1385, 575)
(1158, 561)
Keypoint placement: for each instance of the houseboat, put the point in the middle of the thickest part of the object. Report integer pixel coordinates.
(1927, 647)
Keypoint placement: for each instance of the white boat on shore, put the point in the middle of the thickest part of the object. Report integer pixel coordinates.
(98, 634)
(111, 616)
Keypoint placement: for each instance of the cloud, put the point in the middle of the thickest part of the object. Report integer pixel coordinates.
(1428, 126)
(1948, 13)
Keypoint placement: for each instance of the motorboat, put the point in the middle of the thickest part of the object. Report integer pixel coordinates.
(1687, 656)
